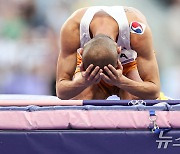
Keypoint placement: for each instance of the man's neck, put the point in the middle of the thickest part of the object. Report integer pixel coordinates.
(105, 33)
(106, 26)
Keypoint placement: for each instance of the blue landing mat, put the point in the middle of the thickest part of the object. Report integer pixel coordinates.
(89, 142)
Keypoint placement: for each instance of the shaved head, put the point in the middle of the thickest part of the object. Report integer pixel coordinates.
(100, 51)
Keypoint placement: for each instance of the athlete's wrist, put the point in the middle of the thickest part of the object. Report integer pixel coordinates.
(122, 81)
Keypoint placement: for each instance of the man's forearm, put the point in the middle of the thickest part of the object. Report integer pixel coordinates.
(142, 90)
(68, 89)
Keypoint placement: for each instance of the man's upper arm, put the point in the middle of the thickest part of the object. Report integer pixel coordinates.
(146, 60)
(69, 43)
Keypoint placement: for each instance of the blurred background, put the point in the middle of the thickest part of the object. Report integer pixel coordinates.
(29, 41)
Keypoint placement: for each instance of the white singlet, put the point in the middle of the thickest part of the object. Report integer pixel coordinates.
(117, 12)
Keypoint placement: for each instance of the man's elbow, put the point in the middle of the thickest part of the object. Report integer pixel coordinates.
(156, 93)
(62, 98)
(152, 93)
(60, 93)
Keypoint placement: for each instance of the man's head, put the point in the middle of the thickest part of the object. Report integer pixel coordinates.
(100, 51)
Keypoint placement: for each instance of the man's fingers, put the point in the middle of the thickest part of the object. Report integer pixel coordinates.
(97, 78)
(119, 65)
(113, 70)
(94, 73)
(88, 71)
(108, 71)
(105, 78)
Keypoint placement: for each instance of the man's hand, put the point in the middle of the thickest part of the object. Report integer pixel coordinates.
(114, 75)
(90, 76)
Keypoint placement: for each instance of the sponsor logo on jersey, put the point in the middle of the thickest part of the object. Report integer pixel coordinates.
(137, 27)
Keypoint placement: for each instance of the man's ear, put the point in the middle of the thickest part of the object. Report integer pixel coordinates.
(119, 50)
(80, 51)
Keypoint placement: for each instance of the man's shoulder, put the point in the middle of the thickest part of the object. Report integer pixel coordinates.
(133, 14)
(139, 28)
(78, 14)
(72, 23)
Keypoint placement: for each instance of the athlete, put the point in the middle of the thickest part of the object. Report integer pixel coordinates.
(136, 74)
